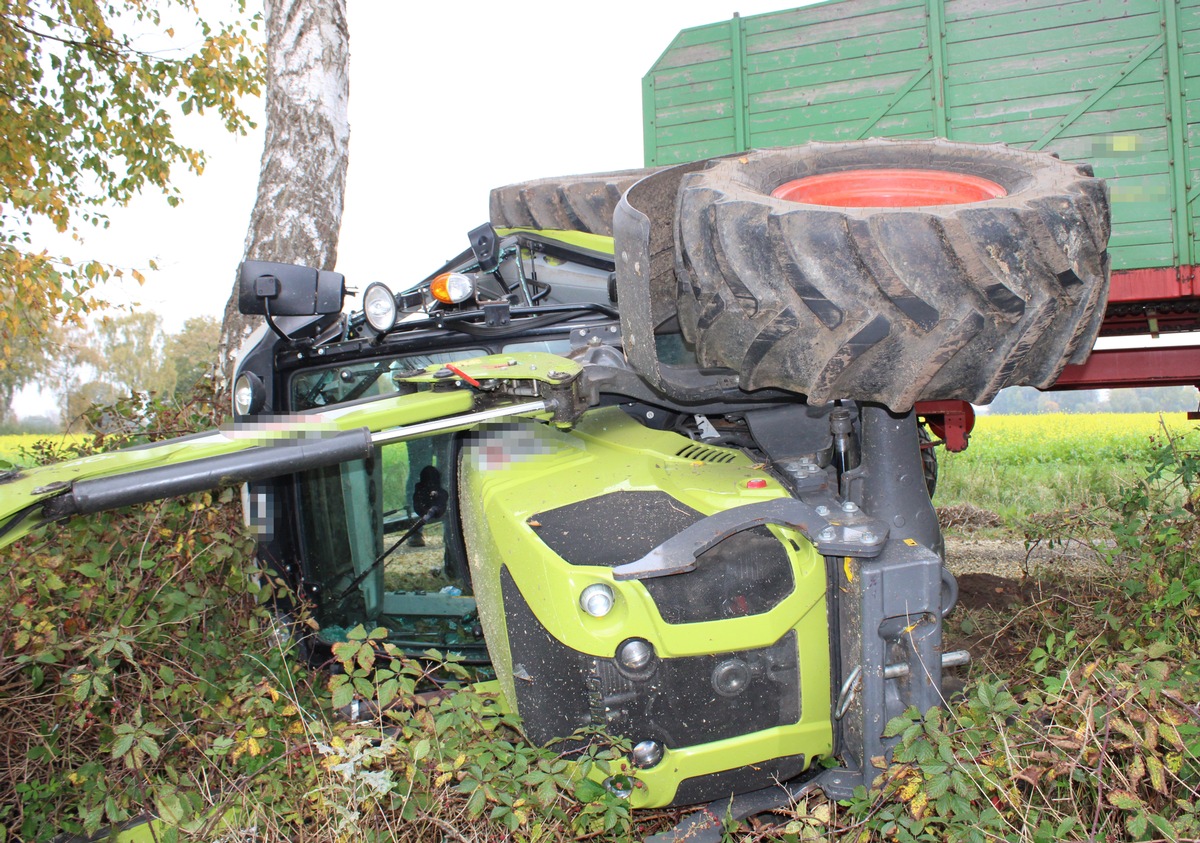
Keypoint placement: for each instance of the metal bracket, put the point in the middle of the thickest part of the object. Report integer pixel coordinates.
(595, 335)
(496, 314)
(677, 555)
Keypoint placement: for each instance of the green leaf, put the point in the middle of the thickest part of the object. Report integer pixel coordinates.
(148, 746)
(588, 791)
(1158, 670)
(937, 786)
(986, 694)
(1124, 800)
(421, 749)
(1158, 649)
(896, 725)
(476, 803)
(170, 808)
(122, 745)
(1065, 827)
(343, 695)
(387, 692)
(1165, 827)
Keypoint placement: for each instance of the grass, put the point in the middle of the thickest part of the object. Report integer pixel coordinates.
(1021, 467)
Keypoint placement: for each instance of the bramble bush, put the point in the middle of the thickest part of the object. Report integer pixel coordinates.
(144, 671)
(134, 639)
(1096, 736)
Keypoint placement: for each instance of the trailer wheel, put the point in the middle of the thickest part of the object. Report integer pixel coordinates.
(570, 203)
(892, 271)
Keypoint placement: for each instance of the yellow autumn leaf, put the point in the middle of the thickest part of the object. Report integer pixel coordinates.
(910, 788)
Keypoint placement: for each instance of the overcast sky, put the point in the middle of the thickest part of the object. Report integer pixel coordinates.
(447, 100)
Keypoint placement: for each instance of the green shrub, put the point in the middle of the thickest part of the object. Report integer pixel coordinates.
(1098, 735)
(134, 638)
(143, 670)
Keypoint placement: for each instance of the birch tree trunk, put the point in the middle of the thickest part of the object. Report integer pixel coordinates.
(302, 179)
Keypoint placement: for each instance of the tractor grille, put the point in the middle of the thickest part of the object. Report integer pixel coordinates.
(681, 703)
(747, 574)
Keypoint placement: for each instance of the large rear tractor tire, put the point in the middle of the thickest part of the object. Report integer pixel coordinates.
(892, 271)
(570, 203)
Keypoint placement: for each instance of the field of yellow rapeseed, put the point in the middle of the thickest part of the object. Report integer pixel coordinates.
(1008, 440)
(1075, 438)
(1015, 466)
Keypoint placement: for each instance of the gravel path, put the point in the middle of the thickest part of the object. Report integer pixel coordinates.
(1010, 557)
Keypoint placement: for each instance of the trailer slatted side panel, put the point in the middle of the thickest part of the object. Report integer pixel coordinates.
(793, 86)
(1112, 82)
(1189, 40)
(689, 98)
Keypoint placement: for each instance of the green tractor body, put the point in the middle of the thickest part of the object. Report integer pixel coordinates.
(725, 669)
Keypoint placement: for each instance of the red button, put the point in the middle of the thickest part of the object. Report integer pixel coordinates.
(758, 483)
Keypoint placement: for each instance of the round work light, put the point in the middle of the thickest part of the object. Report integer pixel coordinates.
(379, 306)
(249, 394)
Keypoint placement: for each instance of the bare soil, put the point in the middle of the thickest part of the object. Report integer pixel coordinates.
(1011, 589)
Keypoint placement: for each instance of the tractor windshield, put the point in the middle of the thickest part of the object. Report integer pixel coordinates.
(380, 539)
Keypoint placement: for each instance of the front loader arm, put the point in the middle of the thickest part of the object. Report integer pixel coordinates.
(457, 397)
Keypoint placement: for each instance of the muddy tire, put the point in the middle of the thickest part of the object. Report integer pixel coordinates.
(892, 271)
(570, 203)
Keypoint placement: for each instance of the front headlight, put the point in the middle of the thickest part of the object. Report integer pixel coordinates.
(379, 306)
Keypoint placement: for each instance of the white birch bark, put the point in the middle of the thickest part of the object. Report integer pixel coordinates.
(302, 179)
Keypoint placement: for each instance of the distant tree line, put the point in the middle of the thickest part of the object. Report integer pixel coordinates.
(1025, 400)
(114, 357)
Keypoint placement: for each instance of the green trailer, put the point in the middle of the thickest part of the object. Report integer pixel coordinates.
(1113, 83)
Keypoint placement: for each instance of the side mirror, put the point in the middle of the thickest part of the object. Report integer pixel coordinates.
(266, 288)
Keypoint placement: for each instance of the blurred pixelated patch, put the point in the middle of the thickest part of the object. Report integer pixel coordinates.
(505, 444)
(1122, 145)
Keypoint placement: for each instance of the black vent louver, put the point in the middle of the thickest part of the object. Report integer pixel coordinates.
(700, 453)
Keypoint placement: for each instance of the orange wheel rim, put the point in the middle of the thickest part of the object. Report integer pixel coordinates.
(889, 188)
